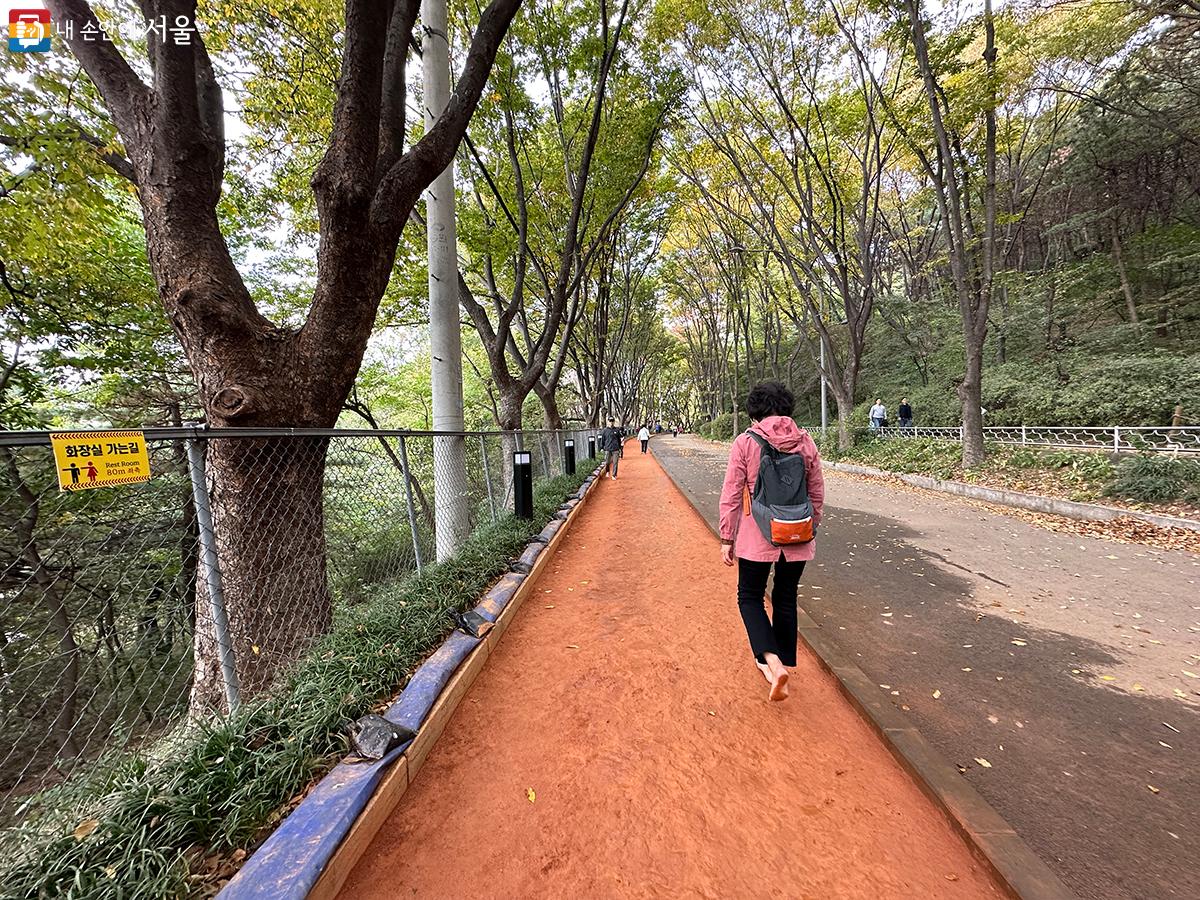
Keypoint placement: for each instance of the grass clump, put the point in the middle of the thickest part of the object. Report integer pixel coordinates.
(1156, 478)
(170, 829)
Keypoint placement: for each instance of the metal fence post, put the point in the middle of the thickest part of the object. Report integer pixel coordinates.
(487, 474)
(1116, 439)
(1024, 440)
(408, 497)
(212, 572)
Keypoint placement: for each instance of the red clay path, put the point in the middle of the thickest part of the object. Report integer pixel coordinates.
(625, 697)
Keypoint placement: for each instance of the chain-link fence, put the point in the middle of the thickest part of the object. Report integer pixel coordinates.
(127, 610)
(1118, 439)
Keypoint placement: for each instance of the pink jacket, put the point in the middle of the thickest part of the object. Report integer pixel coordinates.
(748, 542)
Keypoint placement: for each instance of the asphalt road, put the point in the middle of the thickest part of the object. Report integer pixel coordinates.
(1068, 663)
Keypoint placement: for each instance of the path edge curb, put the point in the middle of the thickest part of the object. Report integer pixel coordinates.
(1039, 503)
(991, 839)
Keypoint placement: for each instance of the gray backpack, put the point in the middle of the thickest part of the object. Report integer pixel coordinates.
(779, 502)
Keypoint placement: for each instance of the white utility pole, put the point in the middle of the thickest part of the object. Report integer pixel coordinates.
(445, 337)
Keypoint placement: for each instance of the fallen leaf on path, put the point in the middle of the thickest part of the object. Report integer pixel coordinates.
(1108, 678)
(530, 794)
(550, 606)
(1138, 687)
(936, 694)
(1019, 643)
(994, 720)
(572, 646)
(967, 669)
(1153, 789)
(952, 878)
(1173, 728)
(983, 762)
(1165, 744)
(1190, 674)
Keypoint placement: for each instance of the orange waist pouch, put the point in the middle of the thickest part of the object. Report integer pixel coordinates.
(797, 531)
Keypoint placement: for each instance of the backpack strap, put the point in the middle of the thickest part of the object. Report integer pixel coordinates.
(767, 447)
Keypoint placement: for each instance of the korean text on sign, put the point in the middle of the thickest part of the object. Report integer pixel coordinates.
(93, 459)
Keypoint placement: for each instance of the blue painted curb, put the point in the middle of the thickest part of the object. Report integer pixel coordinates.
(526, 560)
(497, 598)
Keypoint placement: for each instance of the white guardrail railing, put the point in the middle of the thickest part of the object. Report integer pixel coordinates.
(1115, 439)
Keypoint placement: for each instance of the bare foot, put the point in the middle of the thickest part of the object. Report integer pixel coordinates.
(778, 677)
(779, 688)
(765, 669)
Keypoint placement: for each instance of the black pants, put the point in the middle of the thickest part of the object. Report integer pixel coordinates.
(645, 444)
(776, 634)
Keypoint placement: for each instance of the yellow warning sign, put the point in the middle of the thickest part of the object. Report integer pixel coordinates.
(92, 459)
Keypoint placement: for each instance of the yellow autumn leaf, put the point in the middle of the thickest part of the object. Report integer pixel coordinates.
(1153, 789)
(530, 794)
(936, 694)
(983, 762)
(86, 827)
(1108, 678)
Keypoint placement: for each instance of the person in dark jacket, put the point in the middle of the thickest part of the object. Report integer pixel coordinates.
(905, 413)
(611, 442)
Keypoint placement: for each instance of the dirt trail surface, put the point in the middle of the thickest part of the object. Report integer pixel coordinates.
(1069, 663)
(618, 743)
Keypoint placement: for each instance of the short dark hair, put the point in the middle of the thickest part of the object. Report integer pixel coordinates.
(770, 398)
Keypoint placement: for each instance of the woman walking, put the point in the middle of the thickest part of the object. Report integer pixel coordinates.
(644, 437)
(772, 639)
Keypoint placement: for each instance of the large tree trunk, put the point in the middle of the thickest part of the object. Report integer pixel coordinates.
(268, 515)
(845, 411)
(970, 392)
(549, 405)
(512, 401)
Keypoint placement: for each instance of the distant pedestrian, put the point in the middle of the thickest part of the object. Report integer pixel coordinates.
(905, 413)
(878, 414)
(610, 443)
(758, 534)
(674, 431)
(644, 437)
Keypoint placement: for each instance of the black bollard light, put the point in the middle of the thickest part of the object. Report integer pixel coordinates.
(569, 456)
(523, 484)
(591, 446)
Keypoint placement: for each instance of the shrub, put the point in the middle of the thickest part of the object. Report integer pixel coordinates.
(719, 429)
